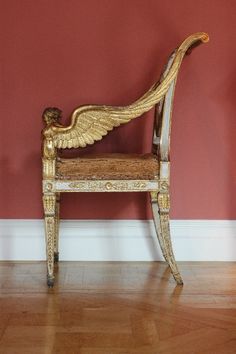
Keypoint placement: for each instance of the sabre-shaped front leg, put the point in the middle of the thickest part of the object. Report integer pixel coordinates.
(163, 201)
(49, 204)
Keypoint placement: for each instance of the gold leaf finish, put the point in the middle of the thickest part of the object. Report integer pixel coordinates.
(50, 234)
(164, 201)
(111, 186)
(49, 202)
(90, 123)
(113, 173)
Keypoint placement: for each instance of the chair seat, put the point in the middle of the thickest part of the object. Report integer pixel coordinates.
(108, 167)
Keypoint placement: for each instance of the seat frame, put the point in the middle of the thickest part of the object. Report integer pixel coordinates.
(161, 96)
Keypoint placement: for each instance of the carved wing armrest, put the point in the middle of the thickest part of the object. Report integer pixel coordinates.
(90, 123)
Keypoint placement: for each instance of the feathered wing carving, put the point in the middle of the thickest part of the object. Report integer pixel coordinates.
(90, 123)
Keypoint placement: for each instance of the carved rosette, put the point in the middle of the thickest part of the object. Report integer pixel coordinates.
(48, 186)
(164, 186)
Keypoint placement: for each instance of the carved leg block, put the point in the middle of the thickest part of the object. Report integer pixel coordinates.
(49, 203)
(156, 219)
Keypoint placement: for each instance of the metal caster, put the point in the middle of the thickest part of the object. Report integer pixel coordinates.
(50, 282)
(56, 257)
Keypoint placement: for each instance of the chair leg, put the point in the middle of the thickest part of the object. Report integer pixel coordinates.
(157, 223)
(57, 220)
(49, 203)
(161, 206)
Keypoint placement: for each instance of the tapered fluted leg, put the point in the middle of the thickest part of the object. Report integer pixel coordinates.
(49, 203)
(161, 207)
(57, 220)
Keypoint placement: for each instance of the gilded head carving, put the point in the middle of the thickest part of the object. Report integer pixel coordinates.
(51, 115)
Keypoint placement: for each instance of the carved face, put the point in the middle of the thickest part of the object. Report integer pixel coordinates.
(51, 115)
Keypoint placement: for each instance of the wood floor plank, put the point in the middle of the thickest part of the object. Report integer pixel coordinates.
(118, 308)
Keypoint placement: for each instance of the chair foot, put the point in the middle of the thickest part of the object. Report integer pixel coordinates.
(50, 281)
(56, 257)
(178, 278)
(166, 239)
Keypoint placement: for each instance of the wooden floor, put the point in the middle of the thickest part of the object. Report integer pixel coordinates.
(118, 308)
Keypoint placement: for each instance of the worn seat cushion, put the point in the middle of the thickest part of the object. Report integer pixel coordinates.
(108, 167)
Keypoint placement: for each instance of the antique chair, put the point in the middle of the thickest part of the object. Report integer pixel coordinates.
(113, 172)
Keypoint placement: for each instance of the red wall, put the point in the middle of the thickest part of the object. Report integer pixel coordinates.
(66, 53)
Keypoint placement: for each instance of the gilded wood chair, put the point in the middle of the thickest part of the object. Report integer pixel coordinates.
(113, 172)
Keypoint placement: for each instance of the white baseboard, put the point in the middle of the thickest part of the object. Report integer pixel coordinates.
(123, 240)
